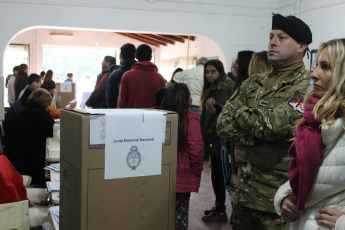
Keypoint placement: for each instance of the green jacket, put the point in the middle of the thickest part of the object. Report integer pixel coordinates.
(221, 91)
(260, 122)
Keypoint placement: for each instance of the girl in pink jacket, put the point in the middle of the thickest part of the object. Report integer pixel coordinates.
(190, 157)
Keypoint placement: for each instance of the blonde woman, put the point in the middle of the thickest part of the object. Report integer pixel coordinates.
(314, 196)
(28, 134)
(259, 63)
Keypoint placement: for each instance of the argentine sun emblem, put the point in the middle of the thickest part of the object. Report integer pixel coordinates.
(133, 158)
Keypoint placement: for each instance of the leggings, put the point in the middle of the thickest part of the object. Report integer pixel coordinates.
(182, 209)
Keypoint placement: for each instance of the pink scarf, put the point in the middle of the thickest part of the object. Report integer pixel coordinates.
(306, 151)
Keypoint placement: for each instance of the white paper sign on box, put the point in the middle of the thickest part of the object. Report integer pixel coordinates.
(133, 143)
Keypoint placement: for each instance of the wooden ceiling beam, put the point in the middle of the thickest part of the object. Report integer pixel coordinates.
(150, 39)
(173, 37)
(134, 36)
(191, 38)
(159, 38)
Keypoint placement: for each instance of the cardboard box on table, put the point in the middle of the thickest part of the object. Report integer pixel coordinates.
(67, 94)
(88, 201)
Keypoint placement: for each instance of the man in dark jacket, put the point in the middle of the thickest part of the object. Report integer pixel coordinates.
(21, 80)
(127, 60)
(97, 98)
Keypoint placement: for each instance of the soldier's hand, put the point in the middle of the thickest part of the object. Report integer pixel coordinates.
(289, 209)
(209, 104)
(328, 217)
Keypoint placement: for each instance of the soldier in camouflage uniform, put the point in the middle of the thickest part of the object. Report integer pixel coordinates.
(260, 119)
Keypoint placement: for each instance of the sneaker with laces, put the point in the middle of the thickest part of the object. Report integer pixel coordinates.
(215, 217)
(209, 211)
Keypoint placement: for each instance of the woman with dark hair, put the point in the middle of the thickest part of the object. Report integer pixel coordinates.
(42, 74)
(48, 81)
(243, 60)
(190, 156)
(28, 135)
(216, 90)
(54, 91)
(49, 76)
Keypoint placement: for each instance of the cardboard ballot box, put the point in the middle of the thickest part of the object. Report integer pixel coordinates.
(67, 94)
(89, 201)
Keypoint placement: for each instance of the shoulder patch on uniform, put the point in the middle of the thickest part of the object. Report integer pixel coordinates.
(297, 102)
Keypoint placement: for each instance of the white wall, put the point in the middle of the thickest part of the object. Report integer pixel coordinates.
(325, 18)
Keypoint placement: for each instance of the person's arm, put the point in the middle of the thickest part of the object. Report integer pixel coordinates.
(195, 146)
(56, 96)
(285, 203)
(19, 85)
(11, 183)
(331, 218)
(48, 122)
(269, 124)
(112, 91)
(340, 223)
(98, 93)
(283, 192)
(54, 112)
(8, 191)
(289, 210)
(122, 100)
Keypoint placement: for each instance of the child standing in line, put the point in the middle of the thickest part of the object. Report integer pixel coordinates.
(190, 158)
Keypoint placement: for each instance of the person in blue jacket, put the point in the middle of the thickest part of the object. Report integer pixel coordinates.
(127, 56)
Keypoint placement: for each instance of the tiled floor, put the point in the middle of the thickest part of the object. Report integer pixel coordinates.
(203, 200)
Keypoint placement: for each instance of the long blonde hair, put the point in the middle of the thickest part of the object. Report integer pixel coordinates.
(259, 63)
(334, 99)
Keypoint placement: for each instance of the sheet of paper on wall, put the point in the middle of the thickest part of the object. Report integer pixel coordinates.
(66, 87)
(133, 143)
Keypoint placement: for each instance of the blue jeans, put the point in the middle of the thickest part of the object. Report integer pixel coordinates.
(227, 172)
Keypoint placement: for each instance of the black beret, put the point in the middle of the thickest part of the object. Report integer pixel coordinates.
(293, 26)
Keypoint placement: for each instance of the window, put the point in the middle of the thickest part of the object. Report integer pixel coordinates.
(84, 62)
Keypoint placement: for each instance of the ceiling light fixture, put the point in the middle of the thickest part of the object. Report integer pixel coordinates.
(59, 35)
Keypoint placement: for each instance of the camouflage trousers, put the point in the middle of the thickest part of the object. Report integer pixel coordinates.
(243, 218)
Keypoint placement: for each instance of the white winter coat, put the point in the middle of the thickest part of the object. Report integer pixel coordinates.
(328, 189)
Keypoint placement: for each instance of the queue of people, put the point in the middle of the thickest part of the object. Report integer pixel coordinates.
(247, 121)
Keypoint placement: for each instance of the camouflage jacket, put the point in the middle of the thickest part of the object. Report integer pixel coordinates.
(260, 122)
(220, 90)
